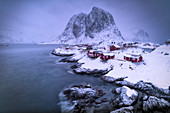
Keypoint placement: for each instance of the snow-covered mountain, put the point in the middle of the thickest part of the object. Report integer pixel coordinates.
(137, 34)
(96, 26)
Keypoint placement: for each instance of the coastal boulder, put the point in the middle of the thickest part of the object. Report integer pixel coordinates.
(125, 96)
(151, 103)
(151, 89)
(81, 98)
(96, 72)
(124, 110)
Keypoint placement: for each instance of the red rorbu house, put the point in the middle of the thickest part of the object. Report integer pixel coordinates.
(94, 54)
(114, 47)
(133, 58)
(107, 56)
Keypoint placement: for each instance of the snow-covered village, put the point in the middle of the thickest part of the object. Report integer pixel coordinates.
(73, 56)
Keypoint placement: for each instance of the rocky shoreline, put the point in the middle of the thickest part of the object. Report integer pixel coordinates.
(142, 97)
(147, 97)
(84, 98)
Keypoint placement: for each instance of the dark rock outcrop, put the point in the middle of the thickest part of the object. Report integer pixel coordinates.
(78, 65)
(151, 89)
(124, 110)
(145, 87)
(112, 79)
(95, 72)
(83, 99)
(69, 59)
(151, 103)
(117, 81)
(61, 54)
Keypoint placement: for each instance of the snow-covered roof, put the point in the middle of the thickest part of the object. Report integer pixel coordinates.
(134, 55)
(111, 54)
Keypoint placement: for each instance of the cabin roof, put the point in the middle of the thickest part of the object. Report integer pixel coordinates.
(111, 54)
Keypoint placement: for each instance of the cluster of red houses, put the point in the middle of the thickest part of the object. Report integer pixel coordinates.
(103, 56)
(107, 56)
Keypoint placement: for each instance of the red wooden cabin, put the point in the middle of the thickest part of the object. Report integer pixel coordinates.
(107, 56)
(94, 54)
(114, 47)
(133, 58)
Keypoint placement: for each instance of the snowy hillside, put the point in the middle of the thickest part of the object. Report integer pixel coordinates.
(96, 26)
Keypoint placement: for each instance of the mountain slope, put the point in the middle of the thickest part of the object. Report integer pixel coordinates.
(96, 26)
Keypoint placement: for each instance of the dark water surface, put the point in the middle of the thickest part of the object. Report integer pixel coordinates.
(31, 80)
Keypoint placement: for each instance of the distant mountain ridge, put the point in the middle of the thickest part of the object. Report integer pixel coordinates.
(137, 34)
(98, 25)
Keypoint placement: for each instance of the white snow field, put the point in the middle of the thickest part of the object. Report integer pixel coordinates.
(155, 68)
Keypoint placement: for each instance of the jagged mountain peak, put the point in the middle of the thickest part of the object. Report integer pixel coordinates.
(88, 26)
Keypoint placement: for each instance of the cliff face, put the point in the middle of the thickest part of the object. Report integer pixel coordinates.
(98, 26)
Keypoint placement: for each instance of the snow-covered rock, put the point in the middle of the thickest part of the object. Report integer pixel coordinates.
(151, 103)
(92, 67)
(94, 27)
(126, 96)
(112, 79)
(74, 58)
(64, 52)
(97, 72)
(124, 110)
(151, 89)
(81, 99)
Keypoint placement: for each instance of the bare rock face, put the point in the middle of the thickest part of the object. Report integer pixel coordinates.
(97, 20)
(82, 25)
(79, 25)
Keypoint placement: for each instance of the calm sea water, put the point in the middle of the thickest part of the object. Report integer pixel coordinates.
(31, 79)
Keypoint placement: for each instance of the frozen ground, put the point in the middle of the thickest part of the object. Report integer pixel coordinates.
(155, 68)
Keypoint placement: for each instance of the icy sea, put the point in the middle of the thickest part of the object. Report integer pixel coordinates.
(31, 79)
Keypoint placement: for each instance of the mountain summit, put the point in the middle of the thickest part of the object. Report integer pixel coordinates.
(96, 26)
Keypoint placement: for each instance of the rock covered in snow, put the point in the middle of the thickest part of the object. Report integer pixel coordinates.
(98, 72)
(82, 99)
(62, 52)
(124, 110)
(118, 81)
(74, 58)
(151, 103)
(151, 89)
(126, 96)
(84, 27)
(112, 79)
(82, 91)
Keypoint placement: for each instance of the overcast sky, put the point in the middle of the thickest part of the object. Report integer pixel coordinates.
(43, 20)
